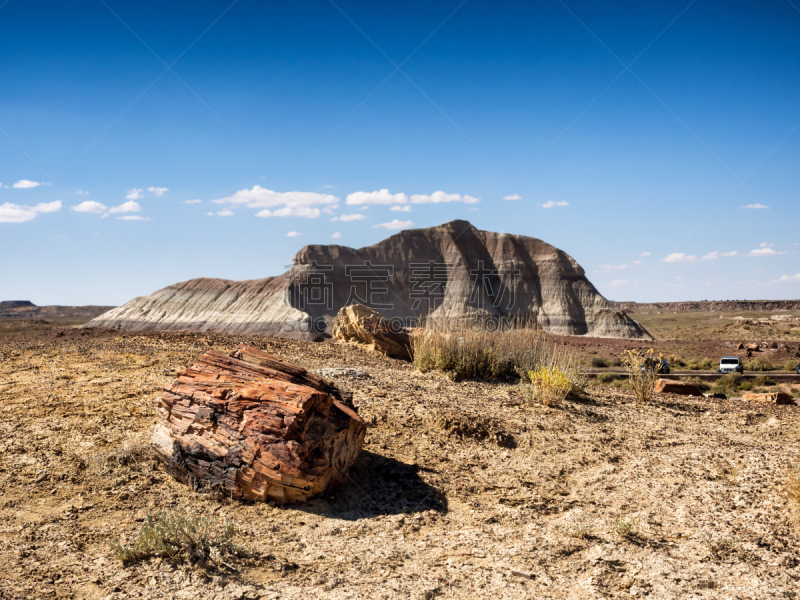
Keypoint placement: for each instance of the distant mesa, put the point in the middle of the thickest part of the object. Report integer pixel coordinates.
(25, 309)
(453, 271)
(9, 304)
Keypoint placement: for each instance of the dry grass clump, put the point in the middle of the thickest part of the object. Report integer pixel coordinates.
(790, 365)
(722, 548)
(642, 370)
(477, 351)
(627, 528)
(581, 530)
(174, 535)
(599, 362)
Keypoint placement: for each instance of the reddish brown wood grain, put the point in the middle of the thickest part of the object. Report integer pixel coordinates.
(256, 427)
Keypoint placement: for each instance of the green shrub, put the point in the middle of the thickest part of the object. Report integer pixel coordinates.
(730, 380)
(180, 535)
(758, 364)
(676, 361)
(614, 362)
(790, 365)
(707, 364)
(598, 362)
(762, 380)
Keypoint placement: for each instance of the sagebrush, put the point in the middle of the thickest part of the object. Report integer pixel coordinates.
(180, 535)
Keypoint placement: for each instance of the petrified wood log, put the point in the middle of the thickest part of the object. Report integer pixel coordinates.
(364, 325)
(769, 398)
(683, 388)
(256, 427)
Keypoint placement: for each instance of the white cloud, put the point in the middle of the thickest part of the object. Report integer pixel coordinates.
(680, 257)
(158, 191)
(715, 255)
(134, 194)
(512, 197)
(336, 235)
(619, 282)
(383, 196)
(551, 204)
(353, 217)
(403, 208)
(290, 211)
(225, 212)
(126, 207)
(89, 206)
(441, 197)
(764, 251)
(645, 254)
(294, 234)
(376, 197)
(637, 262)
(765, 245)
(788, 278)
(328, 187)
(81, 193)
(191, 202)
(14, 213)
(282, 204)
(48, 207)
(396, 224)
(23, 184)
(608, 268)
(755, 206)
(132, 218)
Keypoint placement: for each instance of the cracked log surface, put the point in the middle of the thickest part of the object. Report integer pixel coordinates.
(256, 427)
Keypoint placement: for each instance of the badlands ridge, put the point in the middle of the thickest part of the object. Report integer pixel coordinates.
(453, 271)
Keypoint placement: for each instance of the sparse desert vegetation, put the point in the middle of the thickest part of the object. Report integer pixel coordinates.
(464, 488)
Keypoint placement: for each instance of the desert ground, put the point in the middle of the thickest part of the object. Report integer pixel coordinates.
(463, 490)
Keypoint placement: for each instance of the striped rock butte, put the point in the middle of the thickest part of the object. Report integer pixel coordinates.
(453, 271)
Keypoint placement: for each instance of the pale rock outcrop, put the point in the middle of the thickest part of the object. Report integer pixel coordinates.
(453, 271)
(363, 325)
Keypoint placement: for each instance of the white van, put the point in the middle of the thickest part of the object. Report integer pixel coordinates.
(730, 364)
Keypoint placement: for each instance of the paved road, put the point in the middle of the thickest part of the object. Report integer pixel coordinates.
(779, 376)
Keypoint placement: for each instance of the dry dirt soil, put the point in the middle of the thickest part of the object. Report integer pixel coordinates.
(740, 326)
(462, 490)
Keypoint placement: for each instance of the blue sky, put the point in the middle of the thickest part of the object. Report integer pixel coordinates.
(151, 142)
